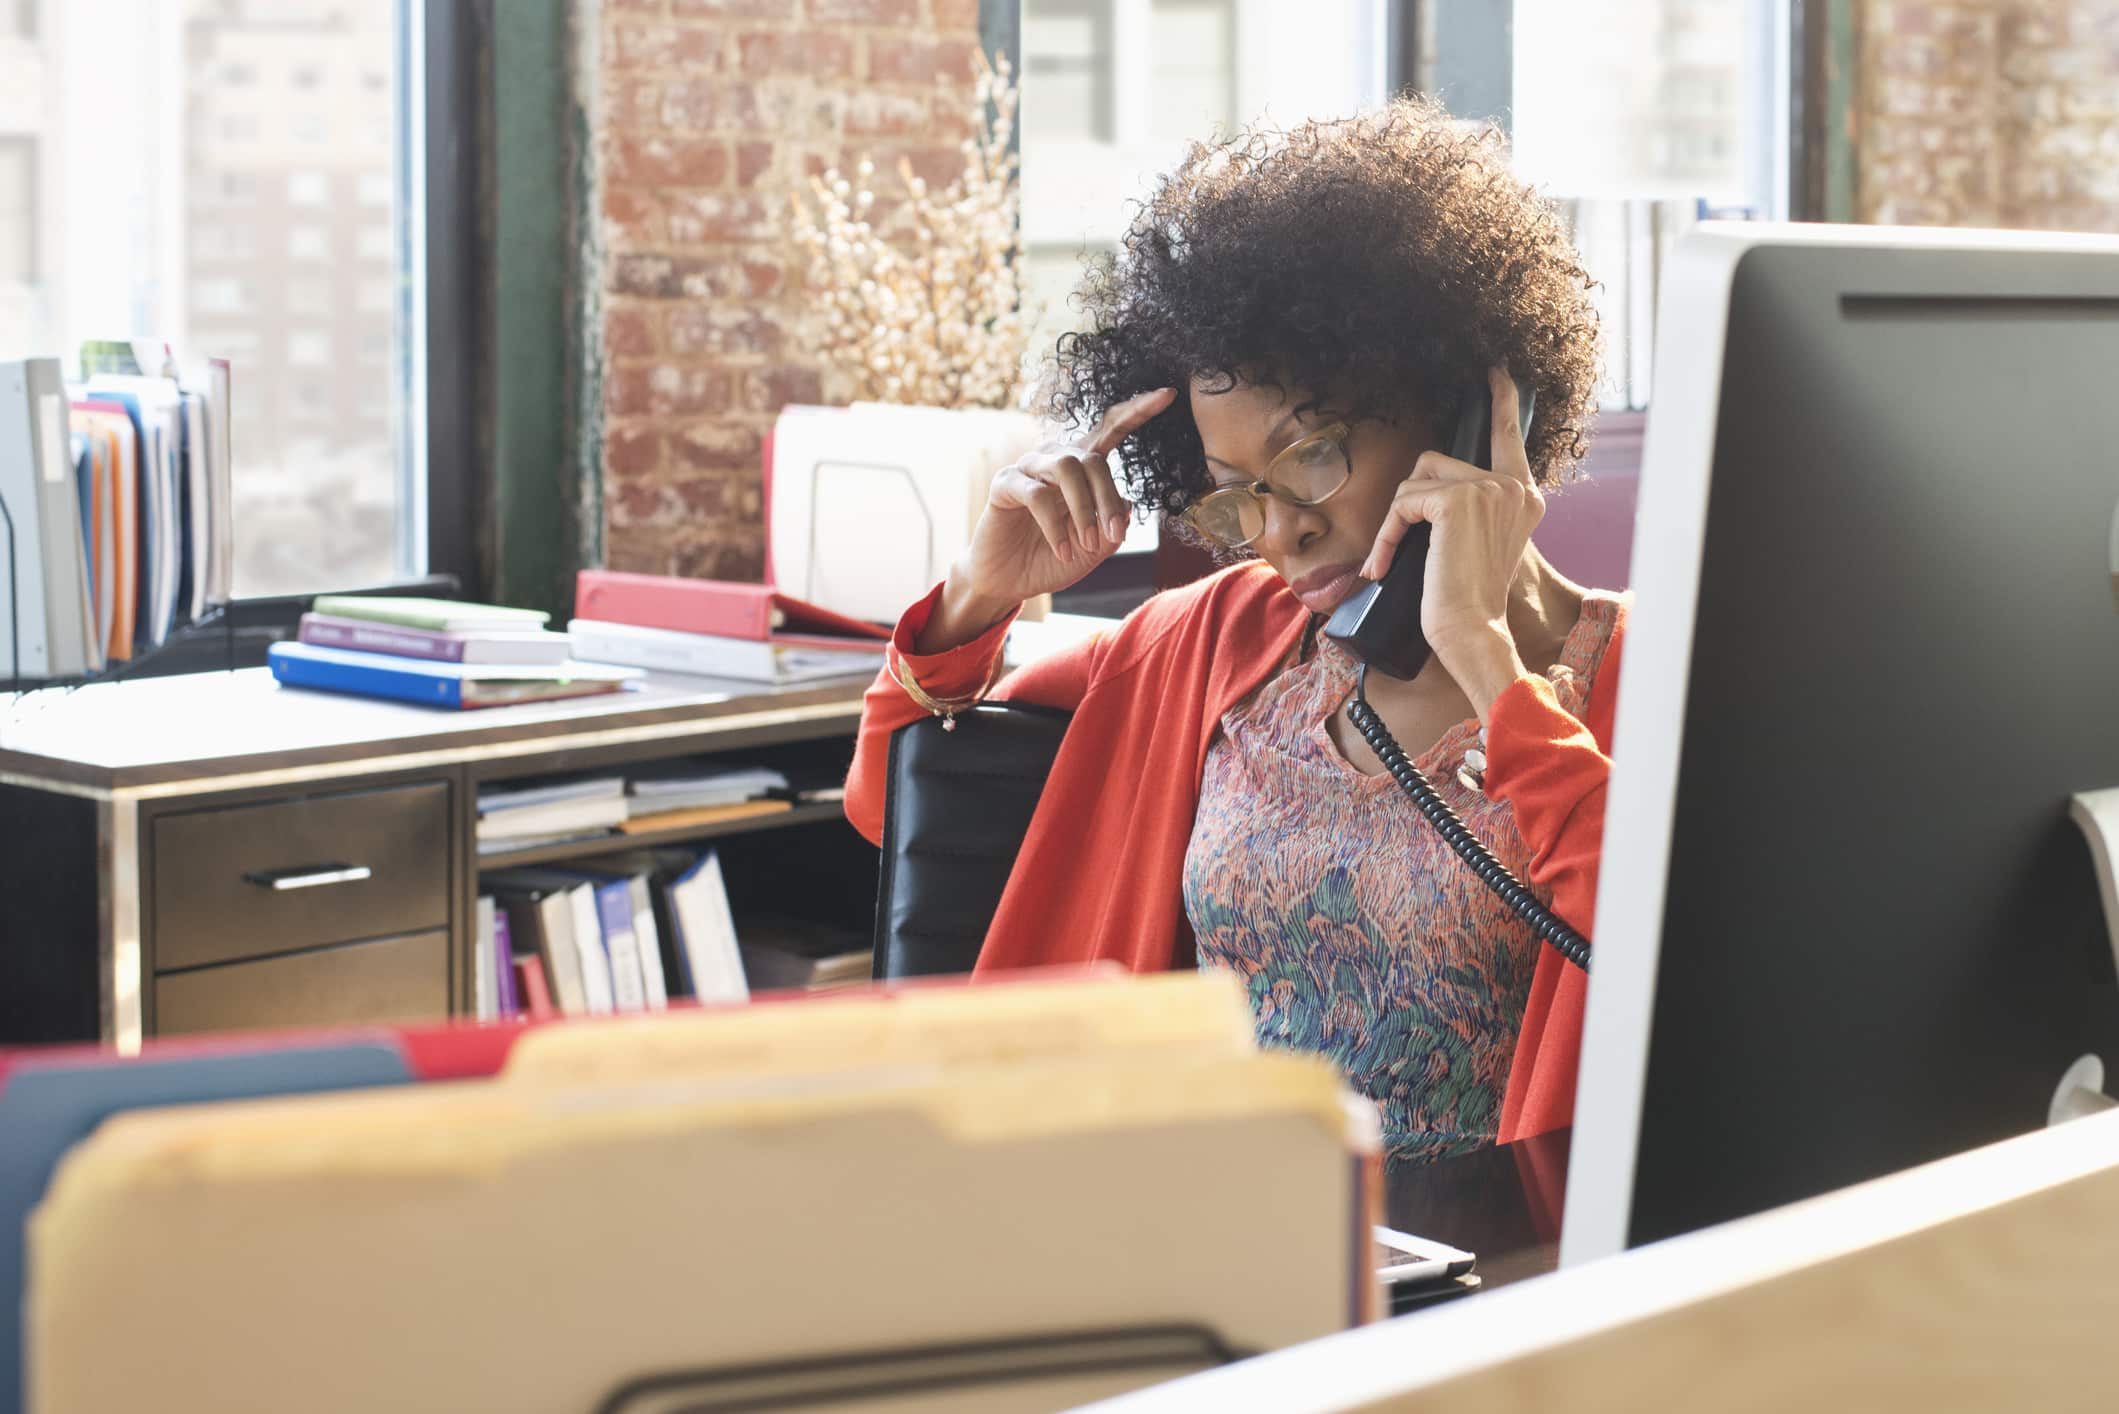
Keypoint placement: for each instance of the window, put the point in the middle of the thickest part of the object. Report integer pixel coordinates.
(1067, 70)
(18, 210)
(377, 295)
(214, 241)
(223, 164)
(1193, 92)
(309, 349)
(222, 294)
(308, 297)
(1670, 111)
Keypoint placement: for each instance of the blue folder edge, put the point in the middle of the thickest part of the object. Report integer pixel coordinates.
(48, 1107)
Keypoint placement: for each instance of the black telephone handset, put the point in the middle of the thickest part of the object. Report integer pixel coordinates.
(1380, 626)
(1380, 622)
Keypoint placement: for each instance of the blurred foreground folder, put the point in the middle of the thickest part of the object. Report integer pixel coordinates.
(956, 1224)
(1201, 1012)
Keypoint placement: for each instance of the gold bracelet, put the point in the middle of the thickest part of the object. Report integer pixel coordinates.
(944, 707)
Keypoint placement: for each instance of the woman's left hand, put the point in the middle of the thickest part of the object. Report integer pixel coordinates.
(1482, 520)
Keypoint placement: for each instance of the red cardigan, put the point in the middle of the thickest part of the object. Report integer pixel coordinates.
(1101, 869)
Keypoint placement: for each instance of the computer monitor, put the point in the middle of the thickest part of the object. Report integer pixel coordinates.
(1844, 922)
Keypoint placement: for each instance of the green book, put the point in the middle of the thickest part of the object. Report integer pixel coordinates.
(441, 615)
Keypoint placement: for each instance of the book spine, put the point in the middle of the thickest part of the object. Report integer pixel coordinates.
(382, 638)
(680, 605)
(504, 963)
(296, 671)
(614, 906)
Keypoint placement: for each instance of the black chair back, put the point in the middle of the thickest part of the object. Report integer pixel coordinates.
(955, 812)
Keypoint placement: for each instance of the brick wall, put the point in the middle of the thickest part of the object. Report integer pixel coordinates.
(1988, 113)
(709, 115)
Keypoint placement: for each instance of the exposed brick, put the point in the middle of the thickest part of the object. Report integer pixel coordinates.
(634, 501)
(919, 59)
(770, 389)
(735, 9)
(807, 53)
(956, 14)
(723, 500)
(665, 160)
(870, 113)
(949, 116)
(936, 166)
(640, 7)
(753, 160)
(713, 216)
(633, 451)
(864, 12)
(723, 329)
(713, 105)
(722, 559)
(630, 329)
(761, 276)
(632, 44)
(631, 100)
(718, 444)
(663, 390)
(630, 216)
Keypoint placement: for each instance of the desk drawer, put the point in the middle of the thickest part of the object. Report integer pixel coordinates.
(393, 979)
(252, 880)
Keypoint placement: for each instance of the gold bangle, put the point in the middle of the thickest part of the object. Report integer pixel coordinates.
(944, 707)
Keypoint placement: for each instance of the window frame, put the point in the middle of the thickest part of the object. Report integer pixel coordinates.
(447, 429)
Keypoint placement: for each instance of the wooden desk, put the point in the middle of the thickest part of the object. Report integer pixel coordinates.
(131, 814)
(1502, 1203)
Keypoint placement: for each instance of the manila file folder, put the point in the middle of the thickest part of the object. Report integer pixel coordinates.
(993, 1234)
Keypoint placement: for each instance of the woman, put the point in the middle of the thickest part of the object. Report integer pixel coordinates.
(1278, 354)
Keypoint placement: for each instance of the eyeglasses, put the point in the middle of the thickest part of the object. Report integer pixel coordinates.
(1309, 473)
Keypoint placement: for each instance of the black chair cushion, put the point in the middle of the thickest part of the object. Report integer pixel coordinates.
(955, 811)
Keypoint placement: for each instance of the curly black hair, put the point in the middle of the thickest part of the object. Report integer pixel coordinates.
(1377, 264)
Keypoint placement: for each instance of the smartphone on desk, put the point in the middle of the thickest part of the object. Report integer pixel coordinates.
(1380, 623)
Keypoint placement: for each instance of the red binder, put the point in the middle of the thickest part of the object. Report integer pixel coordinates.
(716, 606)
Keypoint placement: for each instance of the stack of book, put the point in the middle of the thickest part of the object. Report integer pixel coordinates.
(681, 796)
(717, 628)
(521, 817)
(626, 935)
(438, 652)
(118, 488)
(629, 931)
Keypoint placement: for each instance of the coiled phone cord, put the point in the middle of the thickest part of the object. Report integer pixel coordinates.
(1496, 876)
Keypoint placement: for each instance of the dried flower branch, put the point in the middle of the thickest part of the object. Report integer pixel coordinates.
(940, 322)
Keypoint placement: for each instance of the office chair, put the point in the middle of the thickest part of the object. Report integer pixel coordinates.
(955, 810)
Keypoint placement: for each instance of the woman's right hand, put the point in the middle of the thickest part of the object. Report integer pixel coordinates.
(1049, 520)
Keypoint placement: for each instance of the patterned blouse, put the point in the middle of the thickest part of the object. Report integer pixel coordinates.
(1358, 932)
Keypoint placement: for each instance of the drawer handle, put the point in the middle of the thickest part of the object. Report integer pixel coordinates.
(308, 876)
